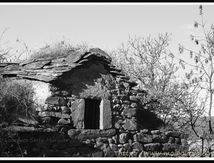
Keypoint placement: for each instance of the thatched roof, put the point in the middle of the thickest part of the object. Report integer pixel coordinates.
(48, 68)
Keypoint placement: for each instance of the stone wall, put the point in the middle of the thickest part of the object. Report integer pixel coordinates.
(128, 137)
(40, 142)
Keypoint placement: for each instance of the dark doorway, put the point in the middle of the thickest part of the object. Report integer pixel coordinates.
(92, 114)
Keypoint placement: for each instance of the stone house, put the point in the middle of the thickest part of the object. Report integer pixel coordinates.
(84, 89)
(92, 101)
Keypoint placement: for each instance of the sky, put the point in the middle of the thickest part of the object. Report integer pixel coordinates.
(99, 25)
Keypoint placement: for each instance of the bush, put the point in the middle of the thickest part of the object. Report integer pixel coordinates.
(16, 100)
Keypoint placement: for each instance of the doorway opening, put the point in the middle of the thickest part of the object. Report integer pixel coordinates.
(92, 114)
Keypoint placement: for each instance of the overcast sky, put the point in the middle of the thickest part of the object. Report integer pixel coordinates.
(100, 25)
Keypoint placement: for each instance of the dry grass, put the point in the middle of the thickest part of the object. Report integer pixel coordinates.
(57, 50)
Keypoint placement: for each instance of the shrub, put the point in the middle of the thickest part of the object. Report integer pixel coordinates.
(16, 99)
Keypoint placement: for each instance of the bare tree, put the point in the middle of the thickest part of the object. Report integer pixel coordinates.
(203, 60)
(202, 71)
(150, 62)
